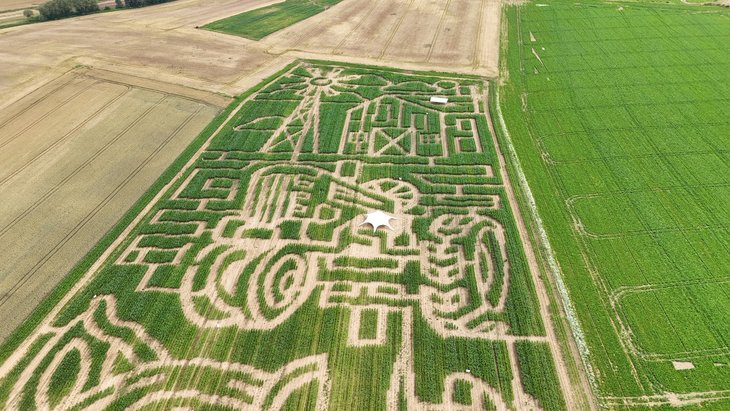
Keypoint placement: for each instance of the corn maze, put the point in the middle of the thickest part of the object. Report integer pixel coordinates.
(251, 282)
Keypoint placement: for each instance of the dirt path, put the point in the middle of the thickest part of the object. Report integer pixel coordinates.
(573, 394)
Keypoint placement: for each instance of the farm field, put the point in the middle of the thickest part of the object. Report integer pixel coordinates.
(419, 36)
(457, 35)
(620, 116)
(248, 279)
(74, 155)
(18, 4)
(259, 23)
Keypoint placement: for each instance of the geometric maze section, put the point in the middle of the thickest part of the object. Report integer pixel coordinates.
(252, 283)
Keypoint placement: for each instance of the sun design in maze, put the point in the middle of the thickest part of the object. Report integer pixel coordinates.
(252, 282)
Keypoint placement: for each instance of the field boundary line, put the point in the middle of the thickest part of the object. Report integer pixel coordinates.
(674, 400)
(64, 137)
(306, 34)
(158, 86)
(552, 263)
(246, 10)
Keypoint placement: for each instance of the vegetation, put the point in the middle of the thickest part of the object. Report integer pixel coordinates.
(620, 121)
(259, 23)
(254, 260)
(61, 9)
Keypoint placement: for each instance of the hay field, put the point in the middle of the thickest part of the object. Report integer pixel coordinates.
(249, 281)
(74, 156)
(620, 115)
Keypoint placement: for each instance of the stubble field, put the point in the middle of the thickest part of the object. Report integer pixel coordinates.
(74, 156)
(17, 4)
(620, 116)
(162, 42)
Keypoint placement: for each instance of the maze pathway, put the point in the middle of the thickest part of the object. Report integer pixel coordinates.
(252, 283)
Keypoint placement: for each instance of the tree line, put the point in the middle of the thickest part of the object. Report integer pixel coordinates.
(59, 9)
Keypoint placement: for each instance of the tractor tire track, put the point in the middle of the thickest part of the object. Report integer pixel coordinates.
(438, 30)
(33, 104)
(29, 274)
(60, 184)
(395, 30)
(43, 117)
(63, 138)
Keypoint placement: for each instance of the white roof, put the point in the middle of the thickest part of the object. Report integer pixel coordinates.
(439, 100)
(378, 219)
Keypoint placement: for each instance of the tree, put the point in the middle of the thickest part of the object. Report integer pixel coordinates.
(85, 6)
(134, 3)
(118, 4)
(28, 13)
(56, 9)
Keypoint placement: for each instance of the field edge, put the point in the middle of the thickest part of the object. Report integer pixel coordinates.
(562, 314)
(66, 284)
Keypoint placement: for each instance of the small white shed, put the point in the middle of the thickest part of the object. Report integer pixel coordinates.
(439, 100)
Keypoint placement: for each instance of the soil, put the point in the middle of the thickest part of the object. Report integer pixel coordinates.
(378, 32)
(68, 174)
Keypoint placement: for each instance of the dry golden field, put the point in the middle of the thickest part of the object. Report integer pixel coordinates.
(95, 108)
(75, 154)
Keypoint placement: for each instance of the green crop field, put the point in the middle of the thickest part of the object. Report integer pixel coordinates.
(245, 278)
(259, 23)
(620, 117)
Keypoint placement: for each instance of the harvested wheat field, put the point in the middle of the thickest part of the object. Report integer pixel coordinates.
(75, 154)
(6, 5)
(620, 116)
